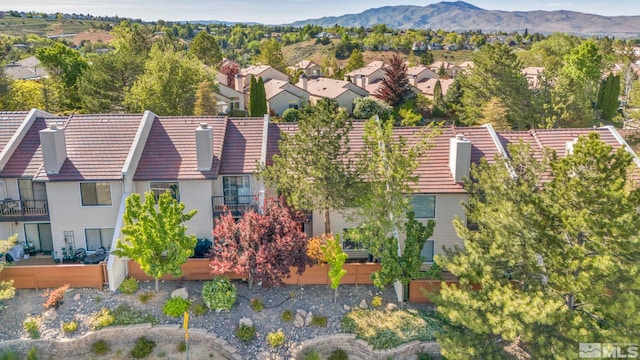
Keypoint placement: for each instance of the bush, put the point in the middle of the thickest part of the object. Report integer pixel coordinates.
(313, 354)
(319, 320)
(245, 333)
(100, 319)
(9, 355)
(145, 297)
(338, 354)
(122, 315)
(70, 327)
(257, 305)
(176, 306)
(32, 354)
(100, 347)
(291, 115)
(376, 301)
(276, 338)
(287, 316)
(32, 327)
(237, 113)
(198, 309)
(424, 356)
(128, 286)
(219, 293)
(142, 348)
(55, 297)
(182, 347)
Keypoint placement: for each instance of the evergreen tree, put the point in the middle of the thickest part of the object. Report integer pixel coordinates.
(356, 60)
(555, 255)
(608, 96)
(271, 54)
(439, 106)
(257, 98)
(206, 49)
(395, 88)
(205, 101)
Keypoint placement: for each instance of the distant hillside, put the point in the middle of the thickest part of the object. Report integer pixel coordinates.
(461, 16)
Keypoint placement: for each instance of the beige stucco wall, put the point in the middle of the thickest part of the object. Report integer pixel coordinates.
(271, 73)
(447, 207)
(280, 102)
(67, 213)
(345, 100)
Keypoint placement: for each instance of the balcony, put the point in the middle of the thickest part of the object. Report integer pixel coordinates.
(237, 205)
(24, 210)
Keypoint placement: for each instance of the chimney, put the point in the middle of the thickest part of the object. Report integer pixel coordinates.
(54, 149)
(303, 80)
(459, 157)
(568, 148)
(413, 80)
(204, 146)
(239, 83)
(364, 82)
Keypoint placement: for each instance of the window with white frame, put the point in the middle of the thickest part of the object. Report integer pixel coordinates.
(160, 187)
(424, 206)
(236, 189)
(428, 250)
(95, 193)
(348, 240)
(98, 238)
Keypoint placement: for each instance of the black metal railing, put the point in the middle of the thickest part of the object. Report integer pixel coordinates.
(15, 210)
(237, 205)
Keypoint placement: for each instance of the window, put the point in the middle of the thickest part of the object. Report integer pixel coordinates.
(428, 251)
(96, 194)
(97, 238)
(159, 188)
(236, 189)
(348, 240)
(424, 206)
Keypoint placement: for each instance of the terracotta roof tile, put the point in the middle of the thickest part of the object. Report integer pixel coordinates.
(9, 123)
(242, 146)
(170, 150)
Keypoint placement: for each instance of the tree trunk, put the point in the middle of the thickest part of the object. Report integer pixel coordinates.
(327, 222)
(157, 285)
(335, 295)
(250, 280)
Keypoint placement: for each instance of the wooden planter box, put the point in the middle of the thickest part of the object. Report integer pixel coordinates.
(52, 276)
(421, 291)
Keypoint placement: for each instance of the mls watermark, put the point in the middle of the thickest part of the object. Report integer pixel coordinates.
(608, 351)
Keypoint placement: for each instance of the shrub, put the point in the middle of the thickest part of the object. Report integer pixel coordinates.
(122, 315)
(32, 354)
(142, 348)
(424, 356)
(100, 347)
(198, 309)
(319, 320)
(176, 306)
(245, 333)
(257, 305)
(128, 286)
(182, 347)
(376, 301)
(100, 319)
(55, 297)
(219, 293)
(338, 354)
(9, 355)
(314, 248)
(313, 354)
(32, 327)
(287, 316)
(276, 338)
(145, 297)
(70, 327)
(291, 115)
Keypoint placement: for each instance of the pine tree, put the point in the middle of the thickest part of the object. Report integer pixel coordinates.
(257, 98)
(439, 106)
(395, 88)
(356, 61)
(205, 101)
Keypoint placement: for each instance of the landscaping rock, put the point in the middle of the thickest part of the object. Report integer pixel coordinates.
(301, 312)
(346, 307)
(308, 319)
(246, 322)
(363, 304)
(391, 307)
(182, 293)
(298, 321)
(76, 297)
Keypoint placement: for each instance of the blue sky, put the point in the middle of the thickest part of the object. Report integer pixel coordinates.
(286, 11)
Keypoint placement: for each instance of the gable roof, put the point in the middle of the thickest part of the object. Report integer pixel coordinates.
(371, 68)
(274, 87)
(170, 150)
(331, 88)
(428, 86)
(242, 146)
(9, 123)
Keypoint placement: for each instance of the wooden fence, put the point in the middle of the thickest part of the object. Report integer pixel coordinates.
(198, 269)
(52, 276)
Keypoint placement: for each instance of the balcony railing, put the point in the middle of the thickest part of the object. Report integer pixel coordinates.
(237, 205)
(23, 210)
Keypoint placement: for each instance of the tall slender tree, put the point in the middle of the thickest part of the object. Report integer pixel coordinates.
(257, 97)
(205, 101)
(395, 88)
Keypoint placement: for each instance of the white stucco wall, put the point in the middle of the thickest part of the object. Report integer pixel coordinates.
(280, 102)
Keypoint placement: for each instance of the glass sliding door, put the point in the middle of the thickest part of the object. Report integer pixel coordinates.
(40, 236)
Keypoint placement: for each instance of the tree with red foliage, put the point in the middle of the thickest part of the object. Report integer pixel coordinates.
(262, 245)
(395, 88)
(230, 71)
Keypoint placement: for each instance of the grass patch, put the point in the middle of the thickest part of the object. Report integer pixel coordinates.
(198, 309)
(287, 316)
(145, 297)
(182, 347)
(276, 338)
(257, 305)
(32, 327)
(142, 348)
(338, 354)
(319, 320)
(100, 347)
(128, 286)
(245, 333)
(70, 327)
(387, 329)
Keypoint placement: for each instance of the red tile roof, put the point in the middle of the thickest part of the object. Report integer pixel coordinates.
(9, 123)
(242, 146)
(170, 150)
(97, 147)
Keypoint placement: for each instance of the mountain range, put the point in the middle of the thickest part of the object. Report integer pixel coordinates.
(462, 16)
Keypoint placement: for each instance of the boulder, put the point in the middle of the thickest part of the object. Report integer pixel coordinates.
(246, 322)
(308, 319)
(76, 297)
(298, 321)
(182, 293)
(363, 304)
(391, 307)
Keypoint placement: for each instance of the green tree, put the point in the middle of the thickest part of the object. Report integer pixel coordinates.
(6, 287)
(356, 60)
(257, 98)
(608, 96)
(24, 94)
(65, 65)
(335, 258)
(168, 84)
(439, 106)
(155, 235)
(206, 49)
(495, 113)
(556, 261)
(205, 101)
(497, 74)
(312, 169)
(271, 54)
(367, 107)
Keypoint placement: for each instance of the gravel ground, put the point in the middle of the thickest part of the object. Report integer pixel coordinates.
(79, 304)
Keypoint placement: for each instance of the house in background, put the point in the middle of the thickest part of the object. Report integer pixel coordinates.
(309, 68)
(427, 87)
(532, 74)
(281, 95)
(450, 69)
(344, 92)
(370, 74)
(26, 69)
